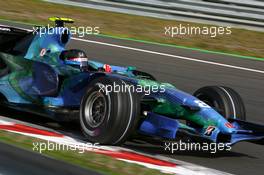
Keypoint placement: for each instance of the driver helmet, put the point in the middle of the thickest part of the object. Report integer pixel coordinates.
(75, 57)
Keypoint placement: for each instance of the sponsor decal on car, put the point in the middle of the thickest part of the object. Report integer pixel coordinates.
(42, 52)
(229, 125)
(209, 130)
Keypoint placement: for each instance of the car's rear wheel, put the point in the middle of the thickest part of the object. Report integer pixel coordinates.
(108, 116)
(224, 100)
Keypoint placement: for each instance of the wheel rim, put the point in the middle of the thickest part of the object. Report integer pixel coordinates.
(95, 109)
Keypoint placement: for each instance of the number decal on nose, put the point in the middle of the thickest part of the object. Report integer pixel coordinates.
(42, 52)
(201, 104)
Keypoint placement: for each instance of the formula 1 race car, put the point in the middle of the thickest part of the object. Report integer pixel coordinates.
(112, 103)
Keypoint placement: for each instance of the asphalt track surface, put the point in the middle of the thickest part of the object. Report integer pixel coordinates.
(16, 161)
(189, 75)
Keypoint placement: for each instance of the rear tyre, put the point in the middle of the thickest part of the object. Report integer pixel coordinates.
(107, 116)
(224, 100)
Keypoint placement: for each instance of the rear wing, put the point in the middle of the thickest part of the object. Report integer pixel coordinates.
(13, 30)
(11, 37)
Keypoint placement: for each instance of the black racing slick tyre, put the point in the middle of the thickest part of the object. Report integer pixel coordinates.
(224, 100)
(109, 116)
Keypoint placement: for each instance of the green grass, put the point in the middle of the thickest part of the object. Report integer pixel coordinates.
(96, 162)
(147, 29)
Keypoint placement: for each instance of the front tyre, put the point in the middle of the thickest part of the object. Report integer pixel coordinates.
(224, 100)
(108, 115)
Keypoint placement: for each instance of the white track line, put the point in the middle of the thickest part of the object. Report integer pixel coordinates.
(170, 55)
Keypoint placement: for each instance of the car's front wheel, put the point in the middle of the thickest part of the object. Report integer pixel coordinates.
(224, 100)
(108, 116)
